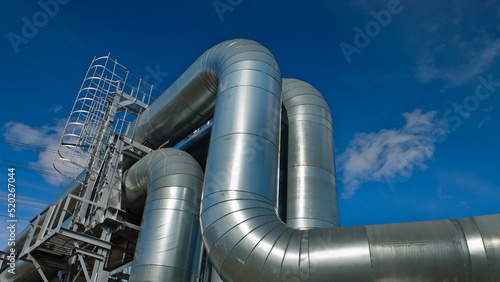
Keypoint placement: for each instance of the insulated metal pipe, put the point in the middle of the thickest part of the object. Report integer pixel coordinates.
(241, 229)
(242, 232)
(169, 242)
(189, 102)
(311, 186)
(246, 241)
(233, 73)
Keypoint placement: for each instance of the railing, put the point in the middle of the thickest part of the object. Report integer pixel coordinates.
(92, 122)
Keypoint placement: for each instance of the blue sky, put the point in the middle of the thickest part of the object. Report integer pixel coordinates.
(413, 87)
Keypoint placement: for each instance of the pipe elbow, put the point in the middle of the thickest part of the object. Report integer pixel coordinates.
(169, 240)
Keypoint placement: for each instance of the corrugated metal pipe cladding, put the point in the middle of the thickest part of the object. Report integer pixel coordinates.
(311, 189)
(233, 206)
(247, 241)
(168, 245)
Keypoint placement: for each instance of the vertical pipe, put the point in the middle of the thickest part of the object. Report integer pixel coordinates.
(242, 232)
(311, 189)
(247, 241)
(169, 240)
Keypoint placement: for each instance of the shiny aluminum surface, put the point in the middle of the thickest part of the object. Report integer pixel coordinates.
(490, 234)
(168, 246)
(311, 186)
(243, 234)
(190, 100)
(241, 230)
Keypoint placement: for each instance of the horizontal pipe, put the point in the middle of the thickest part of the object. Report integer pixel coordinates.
(169, 241)
(189, 102)
(254, 245)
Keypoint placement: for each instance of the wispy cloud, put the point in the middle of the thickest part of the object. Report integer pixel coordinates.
(467, 182)
(483, 122)
(47, 137)
(428, 68)
(487, 118)
(455, 52)
(383, 155)
(442, 195)
(56, 108)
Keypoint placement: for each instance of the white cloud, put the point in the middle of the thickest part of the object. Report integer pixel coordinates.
(442, 195)
(466, 181)
(389, 153)
(453, 51)
(477, 60)
(47, 138)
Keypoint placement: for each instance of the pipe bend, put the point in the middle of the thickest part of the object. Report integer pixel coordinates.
(190, 101)
(238, 82)
(169, 240)
(311, 184)
(246, 240)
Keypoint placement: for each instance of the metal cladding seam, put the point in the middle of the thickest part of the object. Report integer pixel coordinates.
(241, 230)
(190, 100)
(169, 242)
(246, 240)
(311, 186)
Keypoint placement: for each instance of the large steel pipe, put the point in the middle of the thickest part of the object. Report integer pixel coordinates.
(311, 186)
(247, 241)
(190, 100)
(169, 242)
(241, 230)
